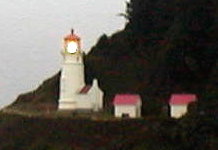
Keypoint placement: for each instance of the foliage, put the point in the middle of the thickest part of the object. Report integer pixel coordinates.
(167, 47)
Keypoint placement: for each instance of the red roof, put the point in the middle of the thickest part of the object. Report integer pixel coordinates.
(126, 99)
(85, 89)
(181, 99)
(72, 37)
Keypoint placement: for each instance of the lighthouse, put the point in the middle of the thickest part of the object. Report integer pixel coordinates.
(72, 72)
(74, 93)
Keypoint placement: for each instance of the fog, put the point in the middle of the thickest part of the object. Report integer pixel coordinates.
(31, 32)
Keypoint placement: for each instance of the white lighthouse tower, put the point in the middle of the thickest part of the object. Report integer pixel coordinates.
(72, 73)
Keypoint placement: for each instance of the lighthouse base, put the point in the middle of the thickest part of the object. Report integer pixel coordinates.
(66, 105)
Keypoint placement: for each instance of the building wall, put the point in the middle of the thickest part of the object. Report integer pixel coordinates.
(67, 105)
(126, 109)
(178, 111)
(138, 112)
(97, 96)
(72, 80)
(84, 101)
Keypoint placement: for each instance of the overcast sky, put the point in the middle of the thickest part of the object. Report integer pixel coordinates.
(31, 32)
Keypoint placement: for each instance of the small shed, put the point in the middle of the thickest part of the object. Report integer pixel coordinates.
(127, 105)
(179, 104)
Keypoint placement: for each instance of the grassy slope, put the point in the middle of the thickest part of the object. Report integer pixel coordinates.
(23, 133)
(44, 98)
(46, 133)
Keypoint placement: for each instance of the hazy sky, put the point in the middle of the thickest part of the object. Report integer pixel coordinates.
(31, 32)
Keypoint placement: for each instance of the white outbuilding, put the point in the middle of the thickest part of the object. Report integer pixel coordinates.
(179, 104)
(127, 105)
(90, 97)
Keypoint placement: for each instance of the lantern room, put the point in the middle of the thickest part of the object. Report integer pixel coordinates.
(72, 43)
